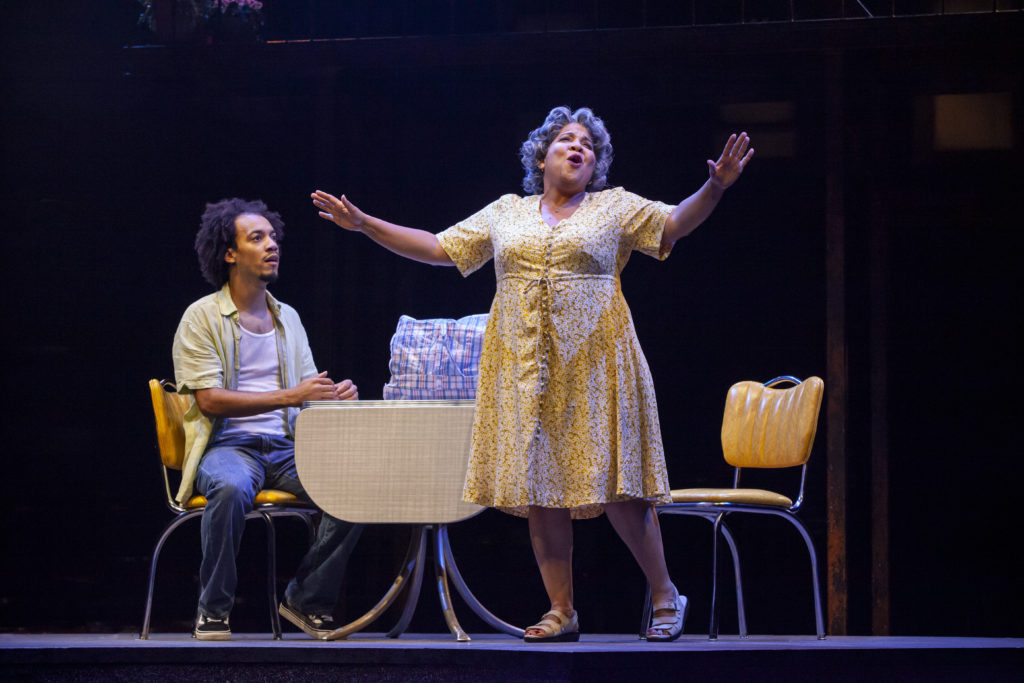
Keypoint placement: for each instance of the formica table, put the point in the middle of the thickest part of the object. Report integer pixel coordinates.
(395, 462)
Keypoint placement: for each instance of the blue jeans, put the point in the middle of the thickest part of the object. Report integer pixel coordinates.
(233, 470)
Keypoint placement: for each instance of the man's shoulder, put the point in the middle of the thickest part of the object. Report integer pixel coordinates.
(283, 309)
(288, 315)
(202, 316)
(202, 307)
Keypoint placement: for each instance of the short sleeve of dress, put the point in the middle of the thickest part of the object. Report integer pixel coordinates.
(468, 242)
(644, 224)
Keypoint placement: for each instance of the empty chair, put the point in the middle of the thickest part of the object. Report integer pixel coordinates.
(764, 427)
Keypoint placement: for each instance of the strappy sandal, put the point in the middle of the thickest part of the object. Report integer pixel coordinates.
(556, 628)
(667, 619)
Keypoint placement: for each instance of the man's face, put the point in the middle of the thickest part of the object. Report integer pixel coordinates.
(255, 253)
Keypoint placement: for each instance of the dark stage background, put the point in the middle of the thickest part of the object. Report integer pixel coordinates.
(110, 154)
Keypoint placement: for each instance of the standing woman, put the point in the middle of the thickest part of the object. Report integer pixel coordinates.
(566, 420)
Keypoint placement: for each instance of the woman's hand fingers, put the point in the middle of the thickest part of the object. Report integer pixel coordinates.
(339, 210)
(735, 155)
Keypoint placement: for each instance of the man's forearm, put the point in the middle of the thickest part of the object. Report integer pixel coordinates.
(218, 402)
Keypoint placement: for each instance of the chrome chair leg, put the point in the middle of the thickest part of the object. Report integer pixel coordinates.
(275, 620)
(818, 619)
(467, 596)
(713, 628)
(171, 526)
(740, 610)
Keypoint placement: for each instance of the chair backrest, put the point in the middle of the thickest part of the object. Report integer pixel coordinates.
(169, 409)
(771, 428)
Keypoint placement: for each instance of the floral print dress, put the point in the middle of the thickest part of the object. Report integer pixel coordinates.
(566, 415)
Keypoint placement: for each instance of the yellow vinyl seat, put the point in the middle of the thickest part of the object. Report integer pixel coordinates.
(764, 427)
(169, 409)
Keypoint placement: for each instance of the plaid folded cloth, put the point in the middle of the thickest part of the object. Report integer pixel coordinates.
(435, 359)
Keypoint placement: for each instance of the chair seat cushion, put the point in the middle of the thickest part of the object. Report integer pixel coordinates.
(738, 496)
(264, 497)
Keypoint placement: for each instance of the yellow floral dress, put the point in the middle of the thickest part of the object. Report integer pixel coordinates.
(566, 415)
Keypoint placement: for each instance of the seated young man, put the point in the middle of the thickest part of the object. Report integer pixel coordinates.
(244, 358)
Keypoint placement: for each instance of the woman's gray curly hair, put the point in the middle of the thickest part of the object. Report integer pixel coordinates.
(535, 148)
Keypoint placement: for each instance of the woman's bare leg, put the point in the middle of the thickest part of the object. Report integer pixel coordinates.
(551, 536)
(637, 525)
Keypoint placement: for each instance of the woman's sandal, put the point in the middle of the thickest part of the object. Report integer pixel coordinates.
(556, 628)
(667, 619)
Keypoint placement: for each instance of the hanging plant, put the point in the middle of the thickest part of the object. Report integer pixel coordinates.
(220, 20)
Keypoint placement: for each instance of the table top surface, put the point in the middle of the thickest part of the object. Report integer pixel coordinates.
(377, 462)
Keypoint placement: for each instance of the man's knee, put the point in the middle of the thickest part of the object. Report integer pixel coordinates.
(234, 492)
(226, 476)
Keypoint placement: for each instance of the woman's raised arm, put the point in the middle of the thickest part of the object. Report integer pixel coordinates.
(418, 245)
(695, 209)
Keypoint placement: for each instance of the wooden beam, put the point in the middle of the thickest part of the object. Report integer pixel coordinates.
(835, 342)
(878, 263)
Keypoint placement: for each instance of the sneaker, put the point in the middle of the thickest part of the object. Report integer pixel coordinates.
(208, 628)
(318, 626)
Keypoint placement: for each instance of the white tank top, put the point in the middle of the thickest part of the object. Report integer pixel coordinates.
(259, 370)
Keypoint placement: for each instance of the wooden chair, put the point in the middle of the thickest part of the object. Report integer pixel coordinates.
(169, 408)
(766, 428)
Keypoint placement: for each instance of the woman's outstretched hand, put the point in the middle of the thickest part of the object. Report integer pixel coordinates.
(730, 165)
(339, 210)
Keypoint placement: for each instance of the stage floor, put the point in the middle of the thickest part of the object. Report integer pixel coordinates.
(372, 656)
(589, 642)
